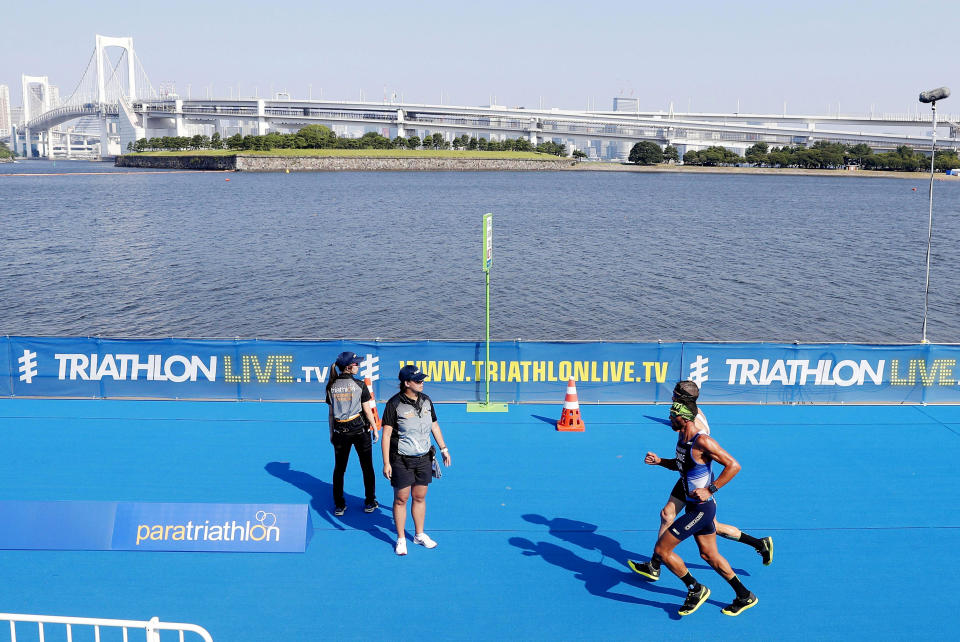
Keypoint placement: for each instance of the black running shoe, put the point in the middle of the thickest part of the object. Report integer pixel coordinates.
(740, 605)
(369, 507)
(647, 569)
(339, 510)
(695, 598)
(766, 550)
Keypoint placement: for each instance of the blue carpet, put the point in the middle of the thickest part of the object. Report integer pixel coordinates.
(534, 526)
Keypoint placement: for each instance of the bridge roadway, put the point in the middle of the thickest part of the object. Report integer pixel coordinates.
(405, 119)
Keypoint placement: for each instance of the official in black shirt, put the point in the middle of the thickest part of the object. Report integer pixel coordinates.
(352, 424)
(409, 420)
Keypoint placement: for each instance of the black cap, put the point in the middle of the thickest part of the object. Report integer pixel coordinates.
(411, 373)
(686, 391)
(345, 359)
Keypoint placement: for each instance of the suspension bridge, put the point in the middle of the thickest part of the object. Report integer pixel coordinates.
(118, 104)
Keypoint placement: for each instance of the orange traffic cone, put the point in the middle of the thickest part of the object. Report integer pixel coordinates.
(376, 415)
(570, 420)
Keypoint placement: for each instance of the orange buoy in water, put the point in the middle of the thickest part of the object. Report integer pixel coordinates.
(914, 189)
(227, 179)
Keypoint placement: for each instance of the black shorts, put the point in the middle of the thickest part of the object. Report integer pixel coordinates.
(410, 471)
(697, 519)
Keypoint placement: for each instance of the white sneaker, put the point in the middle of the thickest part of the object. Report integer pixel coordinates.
(401, 547)
(424, 540)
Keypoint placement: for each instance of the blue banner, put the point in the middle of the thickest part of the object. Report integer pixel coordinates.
(133, 526)
(605, 372)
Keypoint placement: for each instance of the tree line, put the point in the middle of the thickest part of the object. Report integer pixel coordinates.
(5, 151)
(321, 137)
(820, 155)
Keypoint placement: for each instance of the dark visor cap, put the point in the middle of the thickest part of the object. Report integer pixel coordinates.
(345, 359)
(411, 373)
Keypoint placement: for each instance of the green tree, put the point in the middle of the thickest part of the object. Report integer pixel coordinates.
(946, 160)
(671, 153)
(273, 140)
(646, 153)
(234, 142)
(318, 136)
(579, 155)
(472, 145)
(858, 153)
(216, 142)
(757, 154)
(437, 141)
(399, 142)
(413, 142)
(373, 140)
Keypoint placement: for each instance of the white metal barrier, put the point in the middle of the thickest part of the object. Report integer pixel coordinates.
(151, 628)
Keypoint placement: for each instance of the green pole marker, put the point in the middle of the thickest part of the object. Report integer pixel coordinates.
(485, 405)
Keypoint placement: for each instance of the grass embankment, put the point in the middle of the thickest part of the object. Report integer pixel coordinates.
(367, 153)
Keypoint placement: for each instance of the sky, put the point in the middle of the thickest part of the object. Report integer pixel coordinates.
(813, 56)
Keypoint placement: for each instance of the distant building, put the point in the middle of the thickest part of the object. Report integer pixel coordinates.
(6, 118)
(626, 104)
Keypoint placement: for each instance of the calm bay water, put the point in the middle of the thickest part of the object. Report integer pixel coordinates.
(578, 255)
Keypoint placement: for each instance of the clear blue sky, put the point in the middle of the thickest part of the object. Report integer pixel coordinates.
(707, 55)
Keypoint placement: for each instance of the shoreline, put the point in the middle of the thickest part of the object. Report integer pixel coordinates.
(287, 163)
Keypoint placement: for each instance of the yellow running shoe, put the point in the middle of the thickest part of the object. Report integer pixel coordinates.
(695, 598)
(646, 569)
(740, 605)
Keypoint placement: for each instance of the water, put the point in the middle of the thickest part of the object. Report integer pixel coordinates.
(578, 255)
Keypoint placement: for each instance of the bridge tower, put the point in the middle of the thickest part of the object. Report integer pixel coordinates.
(130, 90)
(26, 84)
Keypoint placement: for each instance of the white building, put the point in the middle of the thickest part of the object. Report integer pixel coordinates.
(6, 118)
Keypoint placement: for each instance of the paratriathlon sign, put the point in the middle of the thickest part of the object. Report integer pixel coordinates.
(519, 371)
(138, 526)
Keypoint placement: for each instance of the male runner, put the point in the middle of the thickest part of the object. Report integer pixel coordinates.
(687, 392)
(696, 453)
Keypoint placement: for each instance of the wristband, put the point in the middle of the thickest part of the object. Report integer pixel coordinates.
(713, 489)
(444, 449)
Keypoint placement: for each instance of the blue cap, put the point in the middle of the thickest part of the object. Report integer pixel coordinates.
(411, 373)
(345, 359)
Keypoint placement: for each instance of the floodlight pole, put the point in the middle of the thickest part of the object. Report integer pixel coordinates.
(931, 97)
(926, 287)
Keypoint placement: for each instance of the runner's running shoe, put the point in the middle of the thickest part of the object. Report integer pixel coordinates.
(766, 550)
(647, 569)
(740, 605)
(695, 598)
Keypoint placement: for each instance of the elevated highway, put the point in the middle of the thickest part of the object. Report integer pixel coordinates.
(607, 134)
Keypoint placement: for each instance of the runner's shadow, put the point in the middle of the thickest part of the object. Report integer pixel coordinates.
(321, 500)
(585, 536)
(661, 420)
(598, 579)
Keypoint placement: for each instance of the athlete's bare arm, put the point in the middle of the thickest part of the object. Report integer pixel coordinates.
(707, 449)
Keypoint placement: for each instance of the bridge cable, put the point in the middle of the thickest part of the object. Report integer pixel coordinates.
(82, 78)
